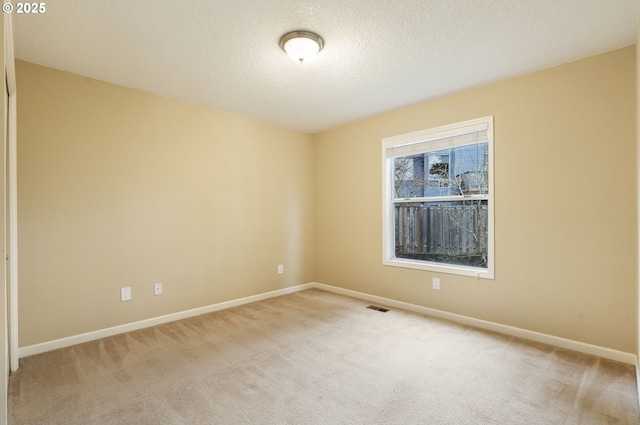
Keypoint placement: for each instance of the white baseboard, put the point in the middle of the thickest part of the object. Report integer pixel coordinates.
(483, 324)
(569, 344)
(30, 350)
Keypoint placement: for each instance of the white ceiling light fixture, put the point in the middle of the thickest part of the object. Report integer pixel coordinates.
(301, 46)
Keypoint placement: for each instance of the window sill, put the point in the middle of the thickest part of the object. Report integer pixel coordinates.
(440, 268)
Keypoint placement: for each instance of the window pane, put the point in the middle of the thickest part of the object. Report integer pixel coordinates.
(453, 232)
(461, 170)
(408, 176)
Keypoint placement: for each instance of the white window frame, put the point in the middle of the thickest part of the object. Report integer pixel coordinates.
(436, 139)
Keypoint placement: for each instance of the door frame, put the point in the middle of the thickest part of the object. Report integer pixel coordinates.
(12, 190)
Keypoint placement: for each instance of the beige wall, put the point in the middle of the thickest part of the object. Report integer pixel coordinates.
(565, 203)
(123, 188)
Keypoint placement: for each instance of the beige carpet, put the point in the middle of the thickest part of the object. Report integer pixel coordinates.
(319, 358)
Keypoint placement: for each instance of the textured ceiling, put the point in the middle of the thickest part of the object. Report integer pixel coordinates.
(379, 55)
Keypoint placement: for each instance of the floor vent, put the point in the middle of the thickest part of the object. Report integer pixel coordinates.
(373, 307)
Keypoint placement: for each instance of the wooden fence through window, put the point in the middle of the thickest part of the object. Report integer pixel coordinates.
(439, 232)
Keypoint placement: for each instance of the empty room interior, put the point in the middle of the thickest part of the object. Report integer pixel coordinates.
(290, 212)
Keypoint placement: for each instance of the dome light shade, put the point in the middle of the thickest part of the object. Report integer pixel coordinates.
(301, 46)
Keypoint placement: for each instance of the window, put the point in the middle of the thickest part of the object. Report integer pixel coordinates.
(438, 199)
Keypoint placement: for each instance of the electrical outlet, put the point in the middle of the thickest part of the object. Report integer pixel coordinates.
(157, 289)
(125, 294)
(436, 283)
(280, 268)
